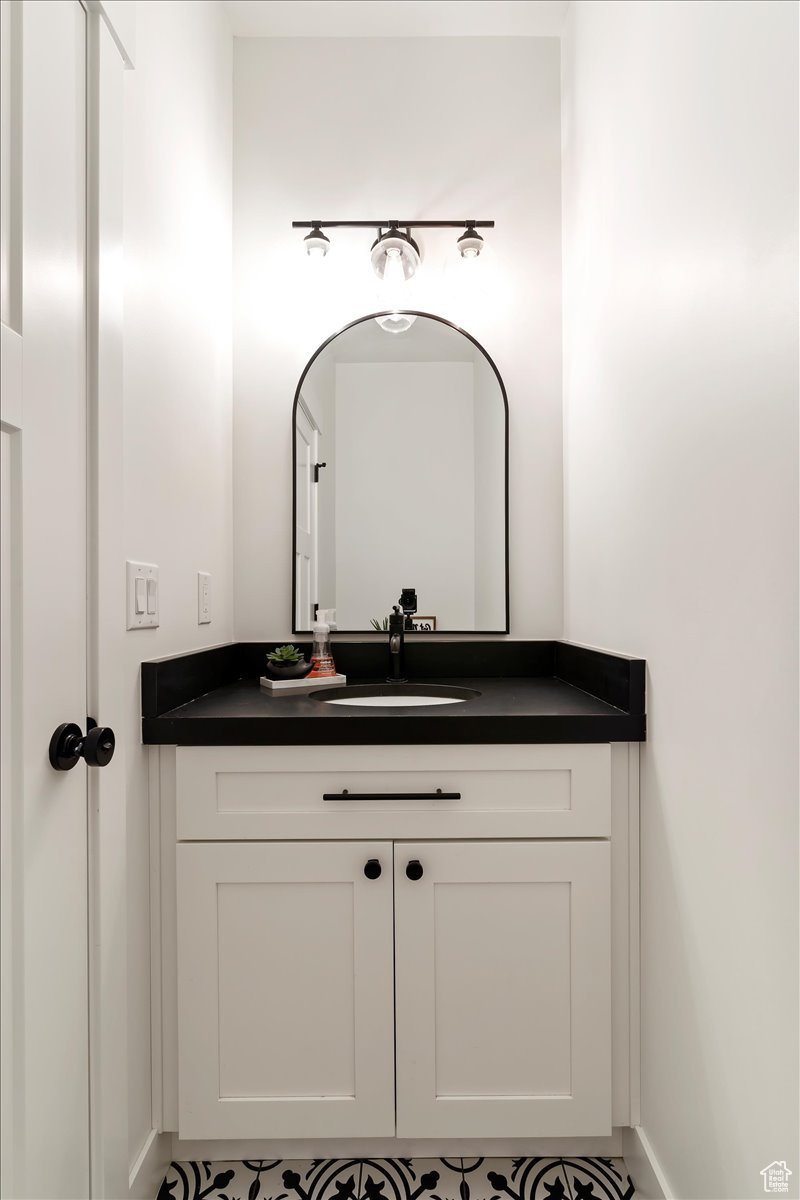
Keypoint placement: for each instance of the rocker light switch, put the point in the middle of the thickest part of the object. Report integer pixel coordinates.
(141, 592)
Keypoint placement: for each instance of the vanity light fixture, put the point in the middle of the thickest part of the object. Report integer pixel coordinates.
(395, 257)
(394, 240)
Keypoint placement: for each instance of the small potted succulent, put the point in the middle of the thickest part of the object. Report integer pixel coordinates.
(287, 662)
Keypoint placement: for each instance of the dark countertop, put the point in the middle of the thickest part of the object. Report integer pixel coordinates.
(549, 692)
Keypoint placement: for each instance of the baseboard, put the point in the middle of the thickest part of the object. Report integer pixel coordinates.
(236, 1151)
(150, 1166)
(644, 1168)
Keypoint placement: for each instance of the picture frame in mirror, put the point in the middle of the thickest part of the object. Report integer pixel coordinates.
(424, 624)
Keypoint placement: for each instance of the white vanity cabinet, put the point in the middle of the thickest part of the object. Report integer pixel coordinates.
(348, 953)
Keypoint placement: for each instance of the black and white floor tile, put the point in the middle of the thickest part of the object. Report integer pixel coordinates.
(400, 1179)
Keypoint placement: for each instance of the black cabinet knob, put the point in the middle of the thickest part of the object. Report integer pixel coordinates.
(372, 869)
(68, 744)
(414, 869)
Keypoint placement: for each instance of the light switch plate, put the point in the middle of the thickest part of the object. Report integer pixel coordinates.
(203, 598)
(141, 603)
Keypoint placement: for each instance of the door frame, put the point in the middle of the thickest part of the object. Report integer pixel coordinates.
(106, 790)
(111, 46)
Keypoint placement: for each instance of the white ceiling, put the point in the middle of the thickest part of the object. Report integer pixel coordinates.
(392, 18)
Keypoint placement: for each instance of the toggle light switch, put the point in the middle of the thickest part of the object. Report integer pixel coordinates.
(141, 595)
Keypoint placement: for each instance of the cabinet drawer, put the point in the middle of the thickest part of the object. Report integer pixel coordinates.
(269, 792)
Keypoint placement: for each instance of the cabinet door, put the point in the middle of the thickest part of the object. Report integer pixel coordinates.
(503, 989)
(285, 990)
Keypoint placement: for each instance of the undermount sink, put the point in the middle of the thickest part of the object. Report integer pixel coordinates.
(396, 695)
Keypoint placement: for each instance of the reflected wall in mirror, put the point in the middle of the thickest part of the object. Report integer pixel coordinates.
(401, 479)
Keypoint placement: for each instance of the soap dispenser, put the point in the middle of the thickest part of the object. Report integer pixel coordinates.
(321, 656)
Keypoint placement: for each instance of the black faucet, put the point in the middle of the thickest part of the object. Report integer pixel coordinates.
(397, 645)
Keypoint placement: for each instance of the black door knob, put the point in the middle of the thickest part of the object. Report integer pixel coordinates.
(372, 869)
(68, 744)
(98, 746)
(414, 869)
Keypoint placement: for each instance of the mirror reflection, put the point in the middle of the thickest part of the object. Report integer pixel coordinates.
(400, 481)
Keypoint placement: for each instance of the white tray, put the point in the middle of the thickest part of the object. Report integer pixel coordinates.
(297, 687)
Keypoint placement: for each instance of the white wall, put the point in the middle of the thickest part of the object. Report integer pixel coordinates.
(395, 128)
(178, 502)
(680, 170)
(405, 495)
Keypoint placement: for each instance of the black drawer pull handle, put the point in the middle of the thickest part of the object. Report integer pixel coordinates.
(372, 868)
(414, 869)
(437, 795)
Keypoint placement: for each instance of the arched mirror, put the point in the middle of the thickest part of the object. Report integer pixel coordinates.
(401, 479)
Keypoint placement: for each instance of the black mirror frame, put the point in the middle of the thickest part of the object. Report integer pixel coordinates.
(410, 312)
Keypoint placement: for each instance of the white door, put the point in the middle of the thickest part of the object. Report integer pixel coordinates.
(44, 813)
(305, 560)
(285, 990)
(503, 989)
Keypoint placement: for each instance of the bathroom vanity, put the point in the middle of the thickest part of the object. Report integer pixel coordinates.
(408, 925)
(388, 926)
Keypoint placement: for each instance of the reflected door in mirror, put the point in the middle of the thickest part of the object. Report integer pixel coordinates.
(306, 532)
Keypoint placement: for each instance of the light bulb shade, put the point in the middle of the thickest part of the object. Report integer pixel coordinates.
(394, 246)
(316, 243)
(470, 243)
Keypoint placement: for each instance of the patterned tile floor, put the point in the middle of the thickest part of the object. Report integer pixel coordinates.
(400, 1179)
